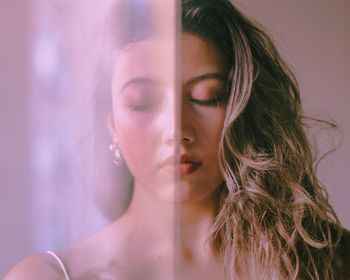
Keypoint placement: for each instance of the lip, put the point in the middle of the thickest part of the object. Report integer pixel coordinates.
(182, 164)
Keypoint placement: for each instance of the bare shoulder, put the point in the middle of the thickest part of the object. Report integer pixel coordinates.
(341, 259)
(105, 250)
(40, 266)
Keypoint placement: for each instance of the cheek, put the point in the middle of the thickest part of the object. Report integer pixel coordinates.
(209, 128)
(138, 138)
(133, 139)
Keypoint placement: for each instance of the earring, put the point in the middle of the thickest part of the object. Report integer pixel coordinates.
(117, 158)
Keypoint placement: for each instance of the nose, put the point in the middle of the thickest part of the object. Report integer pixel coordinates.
(187, 131)
(169, 119)
(186, 120)
(180, 126)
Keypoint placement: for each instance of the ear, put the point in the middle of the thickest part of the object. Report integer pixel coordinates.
(111, 128)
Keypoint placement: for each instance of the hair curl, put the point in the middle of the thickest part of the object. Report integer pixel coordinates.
(274, 217)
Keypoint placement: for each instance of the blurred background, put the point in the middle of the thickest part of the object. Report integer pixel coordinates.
(49, 54)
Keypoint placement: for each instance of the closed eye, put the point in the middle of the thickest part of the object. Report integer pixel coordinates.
(217, 100)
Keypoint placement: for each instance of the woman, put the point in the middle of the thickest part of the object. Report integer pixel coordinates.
(224, 177)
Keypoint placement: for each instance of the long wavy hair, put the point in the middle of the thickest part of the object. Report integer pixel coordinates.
(274, 218)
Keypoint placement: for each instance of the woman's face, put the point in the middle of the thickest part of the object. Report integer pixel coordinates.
(169, 135)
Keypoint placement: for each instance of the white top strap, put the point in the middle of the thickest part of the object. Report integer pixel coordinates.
(60, 263)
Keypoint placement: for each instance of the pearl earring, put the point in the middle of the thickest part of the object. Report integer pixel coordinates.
(117, 158)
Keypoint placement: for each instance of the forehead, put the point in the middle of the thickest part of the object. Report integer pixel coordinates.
(151, 58)
(155, 58)
(199, 57)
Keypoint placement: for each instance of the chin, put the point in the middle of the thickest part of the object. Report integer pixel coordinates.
(182, 191)
(189, 193)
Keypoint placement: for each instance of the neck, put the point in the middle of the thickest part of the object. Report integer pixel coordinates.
(184, 225)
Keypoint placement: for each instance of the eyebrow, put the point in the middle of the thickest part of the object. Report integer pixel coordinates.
(140, 81)
(207, 76)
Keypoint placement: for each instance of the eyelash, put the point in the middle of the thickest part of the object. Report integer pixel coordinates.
(209, 102)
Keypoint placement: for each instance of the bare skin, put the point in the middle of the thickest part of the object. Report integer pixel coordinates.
(164, 233)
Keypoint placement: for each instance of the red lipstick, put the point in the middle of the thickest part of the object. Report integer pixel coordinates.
(188, 164)
(184, 164)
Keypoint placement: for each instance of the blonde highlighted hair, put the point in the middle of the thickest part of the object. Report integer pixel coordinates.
(274, 219)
